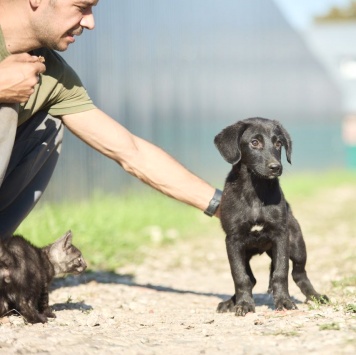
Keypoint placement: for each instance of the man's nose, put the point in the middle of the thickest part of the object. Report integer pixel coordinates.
(88, 21)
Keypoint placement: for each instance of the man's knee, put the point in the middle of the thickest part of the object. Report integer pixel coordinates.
(8, 127)
(34, 157)
(41, 127)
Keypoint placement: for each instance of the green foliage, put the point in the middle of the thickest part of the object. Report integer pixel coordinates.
(301, 186)
(292, 333)
(329, 326)
(113, 230)
(315, 304)
(345, 282)
(350, 308)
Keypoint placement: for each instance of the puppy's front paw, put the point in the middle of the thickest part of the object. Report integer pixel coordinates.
(49, 313)
(284, 303)
(243, 307)
(227, 306)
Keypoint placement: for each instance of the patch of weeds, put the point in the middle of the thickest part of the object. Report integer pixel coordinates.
(69, 299)
(315, 304)
(291, 333)
(86, 311)
(345, 282)
(350, 308)
(330, 326)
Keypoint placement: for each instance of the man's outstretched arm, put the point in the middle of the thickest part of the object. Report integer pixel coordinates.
(140, 158)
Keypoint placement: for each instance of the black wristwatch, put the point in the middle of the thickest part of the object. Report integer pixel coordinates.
(214, 203)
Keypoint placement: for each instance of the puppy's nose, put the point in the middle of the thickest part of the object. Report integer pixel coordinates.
(274, 167)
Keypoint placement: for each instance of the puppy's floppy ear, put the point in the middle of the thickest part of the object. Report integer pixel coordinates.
(228, 142)
(287, 142)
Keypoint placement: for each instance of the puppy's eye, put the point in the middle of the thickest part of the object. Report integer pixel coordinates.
(278, 144)
(255, 143)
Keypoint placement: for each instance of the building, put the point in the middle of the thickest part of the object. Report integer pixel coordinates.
(332, 45)
(176, 73)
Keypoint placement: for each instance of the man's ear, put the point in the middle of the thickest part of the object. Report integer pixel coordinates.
(228, 142)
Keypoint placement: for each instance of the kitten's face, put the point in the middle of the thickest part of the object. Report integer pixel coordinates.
(65, 257)
(74, 262)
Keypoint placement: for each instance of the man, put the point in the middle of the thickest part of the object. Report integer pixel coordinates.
(39, 93)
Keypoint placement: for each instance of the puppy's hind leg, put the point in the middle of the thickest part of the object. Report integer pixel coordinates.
(298, 255)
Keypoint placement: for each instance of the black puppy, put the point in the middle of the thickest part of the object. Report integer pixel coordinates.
(255, 215)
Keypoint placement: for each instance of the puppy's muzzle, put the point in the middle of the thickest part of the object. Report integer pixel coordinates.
(275, 169)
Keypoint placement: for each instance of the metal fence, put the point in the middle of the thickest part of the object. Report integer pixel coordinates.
(177, 72)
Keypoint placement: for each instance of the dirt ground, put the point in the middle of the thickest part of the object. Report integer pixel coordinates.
(167, 305)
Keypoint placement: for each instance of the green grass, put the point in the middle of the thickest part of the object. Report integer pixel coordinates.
(112, 231)
(350, 308)
(303, 185)
(329, 326)
(345, 282)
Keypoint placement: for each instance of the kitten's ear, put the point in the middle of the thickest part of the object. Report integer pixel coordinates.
(64, 242)
(67, 240)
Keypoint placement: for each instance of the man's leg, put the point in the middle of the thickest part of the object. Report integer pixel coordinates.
(34, 157)
(8, 126)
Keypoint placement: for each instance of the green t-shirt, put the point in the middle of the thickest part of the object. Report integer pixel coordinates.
(59, 90)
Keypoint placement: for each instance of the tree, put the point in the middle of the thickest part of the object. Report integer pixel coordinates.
(339, 14)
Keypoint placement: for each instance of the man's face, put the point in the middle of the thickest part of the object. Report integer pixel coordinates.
(58, 21)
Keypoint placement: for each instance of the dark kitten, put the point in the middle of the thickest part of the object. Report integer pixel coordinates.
(27, 271)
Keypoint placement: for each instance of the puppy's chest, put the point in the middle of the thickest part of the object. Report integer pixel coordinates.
(254, 219)
(255, 209)
(258, 218)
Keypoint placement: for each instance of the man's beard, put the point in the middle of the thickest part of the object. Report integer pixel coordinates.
(50, 40)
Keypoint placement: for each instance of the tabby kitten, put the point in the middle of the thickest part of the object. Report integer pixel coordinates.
(27, 271)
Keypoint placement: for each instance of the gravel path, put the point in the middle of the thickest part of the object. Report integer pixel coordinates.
(167, 304)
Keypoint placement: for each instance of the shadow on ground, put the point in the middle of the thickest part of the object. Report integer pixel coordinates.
(106, 277)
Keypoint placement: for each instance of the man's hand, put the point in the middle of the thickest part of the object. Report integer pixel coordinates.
(19, 73)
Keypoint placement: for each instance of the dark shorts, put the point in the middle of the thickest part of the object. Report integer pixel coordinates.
(33, 155)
